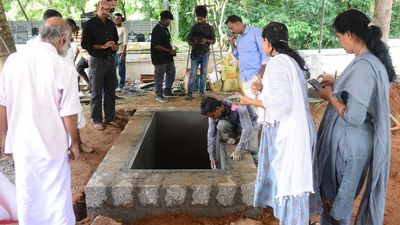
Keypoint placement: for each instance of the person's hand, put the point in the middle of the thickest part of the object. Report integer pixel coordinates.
(326, 79)
(236, 155)
(213, 164)
(172, 52)
(230, 37)
(74, 152)
(203, 41)
(109, 44)
(256, 85)
(243, 99)
(325, 93)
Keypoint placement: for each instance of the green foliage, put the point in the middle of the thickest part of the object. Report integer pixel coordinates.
(301, 17)
(186, 17)
(395, 20)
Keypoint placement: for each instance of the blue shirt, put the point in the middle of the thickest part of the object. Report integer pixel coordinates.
(244, 118)
(250, 53)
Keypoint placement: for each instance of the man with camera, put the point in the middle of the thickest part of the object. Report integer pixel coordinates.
(200, 37)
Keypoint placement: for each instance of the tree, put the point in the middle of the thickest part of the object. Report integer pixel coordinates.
(7, 45)
(382, 16)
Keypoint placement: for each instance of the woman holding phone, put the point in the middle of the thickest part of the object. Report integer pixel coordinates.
(285, 169)
(354, 136)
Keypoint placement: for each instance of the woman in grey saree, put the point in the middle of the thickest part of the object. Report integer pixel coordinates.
(354, 136)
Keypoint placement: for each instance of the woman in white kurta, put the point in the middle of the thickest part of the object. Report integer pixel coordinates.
(285, 178)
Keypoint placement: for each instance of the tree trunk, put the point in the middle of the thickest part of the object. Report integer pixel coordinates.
(382, 15)
(7, 45)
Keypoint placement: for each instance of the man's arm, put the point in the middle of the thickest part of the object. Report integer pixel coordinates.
(70, 123)
(212, 40)
(86, 38)
(234, 49)
(211, 138)
(3, 128)
(245, 123)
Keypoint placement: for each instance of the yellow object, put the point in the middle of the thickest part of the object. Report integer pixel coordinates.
(230, 74)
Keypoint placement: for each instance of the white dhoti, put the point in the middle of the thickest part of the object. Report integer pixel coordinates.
(43, 191)
(8, 204)
(81, 119)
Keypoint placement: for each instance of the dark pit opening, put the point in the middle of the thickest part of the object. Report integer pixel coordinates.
(174, 140)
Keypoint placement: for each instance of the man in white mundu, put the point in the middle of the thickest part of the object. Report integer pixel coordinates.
(38, 112)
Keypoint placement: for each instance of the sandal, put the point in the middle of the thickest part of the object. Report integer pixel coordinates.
(113, 123)
(86, 149)
(99, 126)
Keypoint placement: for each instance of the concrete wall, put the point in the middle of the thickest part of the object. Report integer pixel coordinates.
(329, 60)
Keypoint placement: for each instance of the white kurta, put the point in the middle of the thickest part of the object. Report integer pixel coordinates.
(38, 88)
(283, 100)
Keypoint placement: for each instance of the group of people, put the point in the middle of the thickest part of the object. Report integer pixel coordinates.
(302, 172)
(299, 169)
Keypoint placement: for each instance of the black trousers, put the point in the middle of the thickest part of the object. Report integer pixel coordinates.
(104, 80)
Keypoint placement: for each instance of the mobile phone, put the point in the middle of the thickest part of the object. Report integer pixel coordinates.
(233, 98)
(231, 34)
(119, 44)
(315, 83)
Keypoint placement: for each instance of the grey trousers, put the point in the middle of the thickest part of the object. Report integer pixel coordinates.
(103, 81)
(226, 131)
(167, 69)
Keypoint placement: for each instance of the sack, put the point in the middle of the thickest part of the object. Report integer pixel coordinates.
(8, 202)
(230, 74)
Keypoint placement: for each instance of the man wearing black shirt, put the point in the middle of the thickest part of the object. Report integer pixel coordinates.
(100, 38)
(162, 57)
(200, 37)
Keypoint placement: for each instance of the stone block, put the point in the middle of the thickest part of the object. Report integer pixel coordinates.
(95, 196)
(226, 194)
(122, 195)
(201, 194)
(247, 194)
(148, 195)
(175, 195)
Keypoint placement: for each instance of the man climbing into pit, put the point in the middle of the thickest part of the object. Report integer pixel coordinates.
(231, 122)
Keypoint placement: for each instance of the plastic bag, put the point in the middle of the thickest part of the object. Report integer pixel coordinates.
(230, 74)
(8, 204)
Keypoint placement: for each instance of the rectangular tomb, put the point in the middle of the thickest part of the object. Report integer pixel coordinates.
(160, 164)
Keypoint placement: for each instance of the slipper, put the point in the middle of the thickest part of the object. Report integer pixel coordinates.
(86, 149)
(99, 126)
(113, 123)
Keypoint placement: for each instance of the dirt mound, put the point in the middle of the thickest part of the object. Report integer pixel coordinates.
(395, 100)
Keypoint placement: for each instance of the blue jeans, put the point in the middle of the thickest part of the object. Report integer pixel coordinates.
(121, 70)
(201, 60)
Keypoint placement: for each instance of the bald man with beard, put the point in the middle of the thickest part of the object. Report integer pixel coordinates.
(38, 113)
(100, 39)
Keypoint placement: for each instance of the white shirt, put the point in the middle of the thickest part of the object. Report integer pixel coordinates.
(122, 38)
(38, 88)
